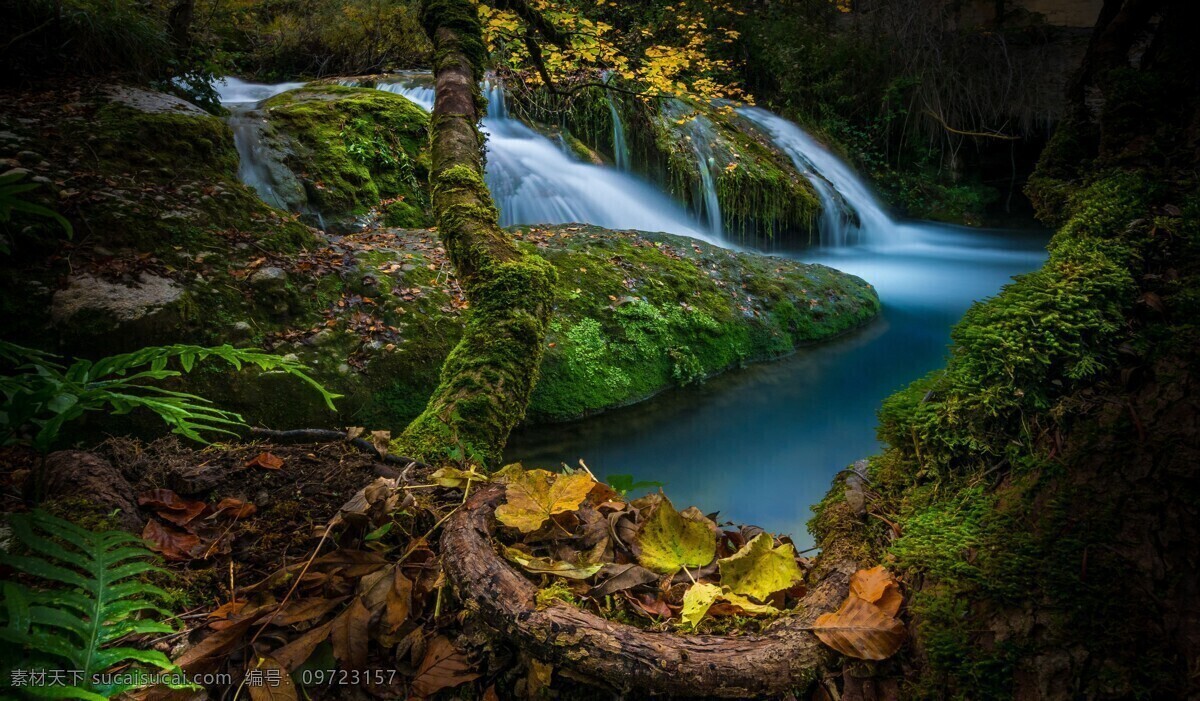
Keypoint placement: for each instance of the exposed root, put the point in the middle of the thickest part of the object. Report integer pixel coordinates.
(785, 658)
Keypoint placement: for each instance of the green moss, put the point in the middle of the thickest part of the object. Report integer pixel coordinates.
(356, 149)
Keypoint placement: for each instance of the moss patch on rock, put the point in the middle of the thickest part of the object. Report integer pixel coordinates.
(355, 150)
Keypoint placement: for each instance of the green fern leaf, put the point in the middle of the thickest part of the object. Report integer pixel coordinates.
(88, 603)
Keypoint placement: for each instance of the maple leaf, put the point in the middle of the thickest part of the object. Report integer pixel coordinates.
(533, 496)
(669, 541)
(759, 570)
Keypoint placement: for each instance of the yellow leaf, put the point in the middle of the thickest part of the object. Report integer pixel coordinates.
(533, 496)
(669, 540)
(759, 570)
(544, 565)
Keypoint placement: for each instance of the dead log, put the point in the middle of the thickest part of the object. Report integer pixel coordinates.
(783, 659)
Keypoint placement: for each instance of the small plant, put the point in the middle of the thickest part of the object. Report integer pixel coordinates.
(624, 484)
(44, 394)
(11, 186)
(92, 603)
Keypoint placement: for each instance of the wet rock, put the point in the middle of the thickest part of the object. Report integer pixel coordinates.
(151, 102)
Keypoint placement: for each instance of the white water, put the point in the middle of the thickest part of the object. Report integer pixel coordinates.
(619, 145)
(535, 181)
(242, 99)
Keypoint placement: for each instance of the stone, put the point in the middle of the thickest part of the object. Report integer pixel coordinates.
(90, 295)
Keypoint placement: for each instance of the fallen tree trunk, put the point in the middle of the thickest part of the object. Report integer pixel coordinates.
(784, 659)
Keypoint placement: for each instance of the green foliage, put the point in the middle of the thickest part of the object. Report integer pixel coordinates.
(624, 484)
(88, 601)
(282, 40)
(39, 391)
(11, 186)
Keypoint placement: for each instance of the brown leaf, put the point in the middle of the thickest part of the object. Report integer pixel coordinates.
(234, 508)
(860, 629)
(622, 577)
(443, 667)
(650, 605)
(878, 586)
(171, 543)
(349, 635)
(172, 507)
(382, 440)
(276, 685)
(266, 461)
(351, 563)
(207, 654)
(296, 652)
(399, 602)
(228, 610)
(490, 694)
(304, 610)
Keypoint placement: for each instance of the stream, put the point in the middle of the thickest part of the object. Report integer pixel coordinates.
(760, 444)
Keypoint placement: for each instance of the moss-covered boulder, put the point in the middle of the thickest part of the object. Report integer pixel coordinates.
(356, 151)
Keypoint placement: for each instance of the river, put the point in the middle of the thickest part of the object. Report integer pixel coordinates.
(761, 444)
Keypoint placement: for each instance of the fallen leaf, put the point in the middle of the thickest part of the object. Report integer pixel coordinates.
(304, 610)
(860, 629)
(172, 507)
(700, 597)
(234, 508)
(207, 654)
(651, 605)
(350, 563)
(696, 602)
(354, 432)
(669, 541)
(171, 543)
(382, 440)
(533, 496)
(544, 565)
(276, 685)
(455, 478)
(299, 650)
(266, 461)
(227, 610)
(443, 667)
(399, 602)
(349, 635)
(878, 586)
(537, 681)
(759, 570)
(622, 577)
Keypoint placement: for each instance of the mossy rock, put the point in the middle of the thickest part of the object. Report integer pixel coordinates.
(357, 151)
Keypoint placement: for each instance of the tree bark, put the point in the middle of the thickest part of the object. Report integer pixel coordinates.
(487, 379)
(780, 661)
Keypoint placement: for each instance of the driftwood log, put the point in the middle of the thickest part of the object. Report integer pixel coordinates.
(785, 658)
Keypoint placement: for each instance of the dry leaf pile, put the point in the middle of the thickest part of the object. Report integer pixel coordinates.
(643, 561)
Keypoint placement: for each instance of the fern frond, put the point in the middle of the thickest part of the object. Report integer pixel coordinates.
(88, 603)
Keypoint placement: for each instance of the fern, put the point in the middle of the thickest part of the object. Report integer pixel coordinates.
(92, 604)
(11, 186)
(45, 394)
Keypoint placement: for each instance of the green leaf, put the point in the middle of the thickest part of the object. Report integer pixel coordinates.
(700, 597)
(669, 541)
(78, 625)
(759, 570)
(544, 565)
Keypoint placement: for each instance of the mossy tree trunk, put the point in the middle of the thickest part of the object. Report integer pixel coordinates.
(487, 379)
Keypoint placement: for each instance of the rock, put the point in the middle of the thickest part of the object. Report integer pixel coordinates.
(74, 473)
(151, 102)
(28, 157)
(269, 279)
(124, 303)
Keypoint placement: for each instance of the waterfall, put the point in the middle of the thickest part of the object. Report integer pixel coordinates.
(534, 181)
(850, 211)
(256, 165)
(619, 146)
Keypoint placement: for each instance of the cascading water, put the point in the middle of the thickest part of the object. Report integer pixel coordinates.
(256, 166)
(534, 181)
(700, 135)
(620, 147)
